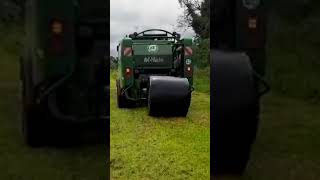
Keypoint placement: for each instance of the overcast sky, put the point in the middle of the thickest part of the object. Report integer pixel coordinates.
(128, 16)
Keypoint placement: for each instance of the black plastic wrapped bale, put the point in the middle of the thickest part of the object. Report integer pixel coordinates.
(234, 111)
(168, 96)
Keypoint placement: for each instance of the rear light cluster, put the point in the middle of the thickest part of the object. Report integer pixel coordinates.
(128, 72)
(252, 23)
(128, 52)
(57, 30)
(189, 70)
(188, 63)
(57, 27)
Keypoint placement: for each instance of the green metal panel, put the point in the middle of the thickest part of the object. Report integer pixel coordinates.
(152, 55)
(125, 62)
(250, 24)
(188, 60)
(187, 41)
(31, 45)
(251, 32)
(39, 38)
(242, 26)
(152, 49)
(48, 71)
(63, 10)
(92, 9)
(119, 67)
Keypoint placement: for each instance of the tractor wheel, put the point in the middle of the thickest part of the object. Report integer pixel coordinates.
(33, 132)
(121, 99)
(233, 147)
(168, 96)
(32, 129)
(235, 112)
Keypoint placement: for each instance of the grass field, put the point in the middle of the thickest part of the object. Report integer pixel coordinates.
(18, 161)
(143, 147)
(288, 143)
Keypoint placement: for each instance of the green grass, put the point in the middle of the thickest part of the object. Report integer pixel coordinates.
(293, 58)
(17, 160)
(202, 80)
(143, 147)
(287, 145)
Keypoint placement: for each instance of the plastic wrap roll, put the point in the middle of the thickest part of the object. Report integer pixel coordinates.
(234, 110)
(169, 96)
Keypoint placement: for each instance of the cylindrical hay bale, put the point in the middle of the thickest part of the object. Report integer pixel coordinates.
(234, 110)
(169, 96)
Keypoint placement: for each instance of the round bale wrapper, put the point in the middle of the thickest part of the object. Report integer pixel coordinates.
(234, 111)
(168, 96)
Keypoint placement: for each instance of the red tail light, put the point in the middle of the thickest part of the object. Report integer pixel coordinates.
(57, 40)
(128, 72)
(189, 70)
(57, 27)
(252, 23)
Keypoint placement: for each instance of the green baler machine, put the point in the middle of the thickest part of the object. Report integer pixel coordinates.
(64, 70)
(155, 67)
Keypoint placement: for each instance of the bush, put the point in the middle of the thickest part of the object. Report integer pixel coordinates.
(202, 56)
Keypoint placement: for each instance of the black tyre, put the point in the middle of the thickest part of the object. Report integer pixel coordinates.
(32, 117)
(121, 99)
(33, 132)
(168, 96)
(234, 113)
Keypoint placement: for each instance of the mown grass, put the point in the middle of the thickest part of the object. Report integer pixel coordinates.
(17, 160)
(143, 147)
(293, 58)
(287, 145)
(202, 80)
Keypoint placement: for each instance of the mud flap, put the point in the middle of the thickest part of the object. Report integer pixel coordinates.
(168, 96)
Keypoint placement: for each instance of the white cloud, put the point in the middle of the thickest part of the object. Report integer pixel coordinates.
(128, 16)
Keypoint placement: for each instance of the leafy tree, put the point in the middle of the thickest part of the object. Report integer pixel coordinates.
(196, 15)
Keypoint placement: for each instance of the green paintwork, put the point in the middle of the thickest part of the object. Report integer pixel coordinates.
(74, 73)
(125, 62)
(39, 15)
(242, 26)
(152, 56)
(188, 42)
(162, 58)
(253, 41)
